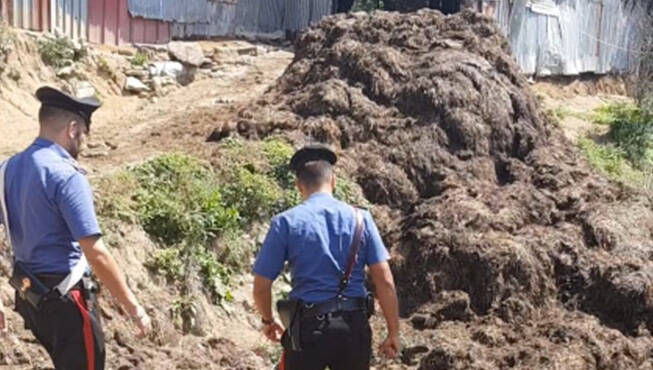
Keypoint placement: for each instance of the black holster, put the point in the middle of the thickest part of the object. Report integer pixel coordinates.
(290, 315)
(28, 286)
(369, 303)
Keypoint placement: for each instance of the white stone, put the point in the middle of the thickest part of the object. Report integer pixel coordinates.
(84, 89)
(166, 69)
(65, 72)
(135, 85)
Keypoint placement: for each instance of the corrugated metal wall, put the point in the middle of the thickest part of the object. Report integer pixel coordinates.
(571, 37)
(99, 21)
(203, 18)
(109, 22)
(27, 14)
(70, 18)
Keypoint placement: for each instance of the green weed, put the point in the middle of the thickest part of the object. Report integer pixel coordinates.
(611, 161)
(140, 59)
(631, 130)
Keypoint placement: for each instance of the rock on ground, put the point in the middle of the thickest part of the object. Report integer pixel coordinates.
(509, 251)
(187, 52)
(133, 84)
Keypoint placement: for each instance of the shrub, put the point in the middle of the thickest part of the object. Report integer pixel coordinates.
(631, 130)
(253, 194)
(60, 51)
(179, 201)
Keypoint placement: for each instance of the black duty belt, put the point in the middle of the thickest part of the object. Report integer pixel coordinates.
(51, 281)
(334, 305)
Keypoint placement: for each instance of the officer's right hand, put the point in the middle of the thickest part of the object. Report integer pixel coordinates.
(142, 321)
(273, 331)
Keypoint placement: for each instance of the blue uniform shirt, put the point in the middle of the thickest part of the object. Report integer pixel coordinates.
(315, 238)
(50, 206)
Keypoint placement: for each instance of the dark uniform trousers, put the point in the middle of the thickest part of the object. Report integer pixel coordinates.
(68, 327)
(341, 341)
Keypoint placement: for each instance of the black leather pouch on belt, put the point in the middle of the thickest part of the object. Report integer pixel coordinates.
(290, 315)
(370, 308)
(28, 286)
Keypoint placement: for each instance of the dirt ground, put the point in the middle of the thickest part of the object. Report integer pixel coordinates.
(512, 311)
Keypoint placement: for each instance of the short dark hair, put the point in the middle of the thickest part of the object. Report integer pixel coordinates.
(314, 174)
(49, 114)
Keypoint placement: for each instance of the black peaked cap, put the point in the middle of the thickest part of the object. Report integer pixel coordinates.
(313, 152)
(52, 97)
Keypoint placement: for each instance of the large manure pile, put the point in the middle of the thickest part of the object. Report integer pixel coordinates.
(509, 252)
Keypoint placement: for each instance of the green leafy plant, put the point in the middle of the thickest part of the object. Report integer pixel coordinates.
(60, 51)
(631, 130)
(140, 59)
(254, 194)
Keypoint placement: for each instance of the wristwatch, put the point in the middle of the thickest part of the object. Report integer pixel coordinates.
(267, 322)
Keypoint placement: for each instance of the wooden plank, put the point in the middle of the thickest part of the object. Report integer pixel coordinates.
(74, 15)
(61, 16)
(17, 14)
(45, 15)
(68, 17)
(83, 26)
(150, 31)
(110, 21)
(26, 20)
(35, 21)
(124, 26)
(95, 20)
(163, 32)
(138, 30)
(53, 15)
(4, 10)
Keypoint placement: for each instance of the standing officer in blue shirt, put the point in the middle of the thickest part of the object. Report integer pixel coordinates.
(315, 238)
(53, 230)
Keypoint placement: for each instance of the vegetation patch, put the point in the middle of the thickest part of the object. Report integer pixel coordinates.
(60, 51)
(203, 217)
(631, 130)
(627, 153)
(140, 59)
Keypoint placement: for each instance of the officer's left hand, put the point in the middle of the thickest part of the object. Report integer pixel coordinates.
(390, 346)
(273, 331)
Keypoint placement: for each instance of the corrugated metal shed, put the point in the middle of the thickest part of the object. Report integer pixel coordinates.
(99, 21)
(27, 14)
(204, 18)
(70, 18)
(571, 37)
(109, 22)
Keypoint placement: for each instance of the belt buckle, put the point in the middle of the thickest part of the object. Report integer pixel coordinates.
(320, 317)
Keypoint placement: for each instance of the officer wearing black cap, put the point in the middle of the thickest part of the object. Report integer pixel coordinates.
(327, 244)
(51, 226)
